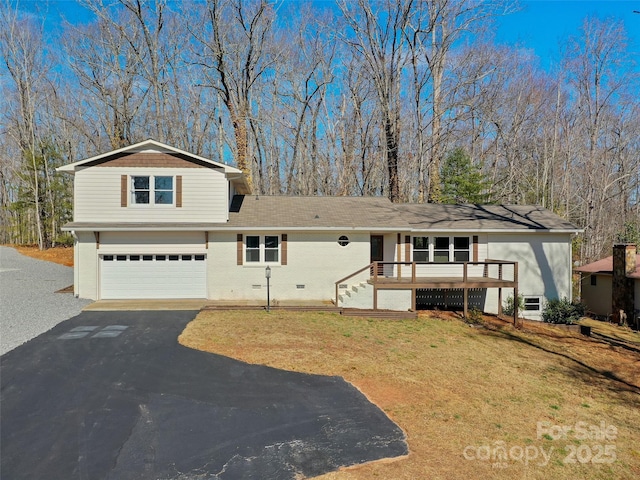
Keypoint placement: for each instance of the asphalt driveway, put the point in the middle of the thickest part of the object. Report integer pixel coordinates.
(112, 395)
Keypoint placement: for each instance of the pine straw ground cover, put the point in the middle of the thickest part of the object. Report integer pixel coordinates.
(462, 394)
(60, 255)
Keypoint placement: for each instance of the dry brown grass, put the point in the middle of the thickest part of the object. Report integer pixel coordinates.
(449, 386)
(61, 255)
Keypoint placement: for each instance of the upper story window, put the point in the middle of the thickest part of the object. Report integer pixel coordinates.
(152, 190)
(262, 249)
(441, 249)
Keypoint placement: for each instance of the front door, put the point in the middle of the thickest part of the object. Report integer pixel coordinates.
(377, 252)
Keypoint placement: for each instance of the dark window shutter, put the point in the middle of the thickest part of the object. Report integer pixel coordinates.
(123, 191)
(239, 247)
(283, 249)
(407, 248)
(475, 248)
(179, 191)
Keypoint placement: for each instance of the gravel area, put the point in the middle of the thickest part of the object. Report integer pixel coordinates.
(29, 305)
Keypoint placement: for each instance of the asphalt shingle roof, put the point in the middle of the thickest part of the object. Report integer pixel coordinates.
(359, 213)
(605, 265)
(431, 216)
(380, 213)
(315, 212)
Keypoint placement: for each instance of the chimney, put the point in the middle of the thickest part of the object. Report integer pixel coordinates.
(624, 264)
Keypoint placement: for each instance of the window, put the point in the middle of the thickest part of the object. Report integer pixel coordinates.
(441, 249)
(532, 304)
(156, 190)
(271, 248)
(253, 249)
(460, 249)
(594, 280)
(343, 241)
(420, 249)
(262, 249)
(141, 190)
(163, 189)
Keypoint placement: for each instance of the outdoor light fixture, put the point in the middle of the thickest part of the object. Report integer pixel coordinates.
(267, 275)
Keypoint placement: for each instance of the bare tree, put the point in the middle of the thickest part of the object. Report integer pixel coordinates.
(22, 50)
(436, 27)
(378, 36)
(106, 68)
(232, 49)
(599, 73)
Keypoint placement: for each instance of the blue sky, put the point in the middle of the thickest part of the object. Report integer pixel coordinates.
(542, 24)
(539, 26)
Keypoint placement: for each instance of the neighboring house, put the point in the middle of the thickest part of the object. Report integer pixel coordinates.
(597, 281)
(153, 221)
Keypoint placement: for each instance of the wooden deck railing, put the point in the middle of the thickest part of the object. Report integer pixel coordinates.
(389, 275)
(377, 267)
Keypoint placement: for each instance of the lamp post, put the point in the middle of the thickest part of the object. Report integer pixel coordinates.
(267, 275)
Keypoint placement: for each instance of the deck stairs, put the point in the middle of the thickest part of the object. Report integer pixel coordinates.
(359, 295)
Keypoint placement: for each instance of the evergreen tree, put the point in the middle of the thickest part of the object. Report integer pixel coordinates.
(462, 181)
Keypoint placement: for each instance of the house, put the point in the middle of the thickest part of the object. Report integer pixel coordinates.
(613, 284)
(153, 221)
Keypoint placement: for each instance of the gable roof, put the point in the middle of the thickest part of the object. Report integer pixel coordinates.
(152, 146)
(486, 218)
(317, 213)
(605, 266)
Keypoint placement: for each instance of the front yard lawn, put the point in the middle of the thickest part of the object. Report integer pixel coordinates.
(475, 402)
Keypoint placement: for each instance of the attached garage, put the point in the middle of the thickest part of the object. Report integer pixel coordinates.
(167, 276)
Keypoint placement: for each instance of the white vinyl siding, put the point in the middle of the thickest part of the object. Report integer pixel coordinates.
(152, 242)
(97, 196)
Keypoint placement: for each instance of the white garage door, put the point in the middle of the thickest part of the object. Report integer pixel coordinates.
(153, 276)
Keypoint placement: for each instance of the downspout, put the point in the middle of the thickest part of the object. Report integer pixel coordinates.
(76, 264)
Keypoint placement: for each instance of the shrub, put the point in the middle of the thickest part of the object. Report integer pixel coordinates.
(562, 311)
(64, 240)
(474, 316)
(508, 306)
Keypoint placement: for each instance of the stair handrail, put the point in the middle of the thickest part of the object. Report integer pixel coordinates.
(349, 276)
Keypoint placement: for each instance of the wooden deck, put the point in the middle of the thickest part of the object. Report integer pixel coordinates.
(389, 283)
(403, 276)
